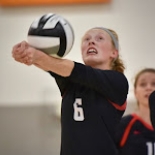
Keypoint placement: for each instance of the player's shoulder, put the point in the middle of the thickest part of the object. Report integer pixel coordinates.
(126, 119)
(125, 123)
(113, 74)
(117, 75)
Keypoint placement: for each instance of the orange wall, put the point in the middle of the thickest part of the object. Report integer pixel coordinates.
(47, 2)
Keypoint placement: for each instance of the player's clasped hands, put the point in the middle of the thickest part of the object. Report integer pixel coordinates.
(23, 53)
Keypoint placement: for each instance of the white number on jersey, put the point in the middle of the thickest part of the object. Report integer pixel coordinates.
(150, 148)
(78, 110)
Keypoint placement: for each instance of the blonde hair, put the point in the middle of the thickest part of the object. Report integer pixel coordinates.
(117, 64)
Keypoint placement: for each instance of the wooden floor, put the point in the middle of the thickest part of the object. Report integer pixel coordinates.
(29, 131)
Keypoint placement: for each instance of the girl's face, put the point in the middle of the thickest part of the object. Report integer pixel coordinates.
(145, 85)
(97, 49)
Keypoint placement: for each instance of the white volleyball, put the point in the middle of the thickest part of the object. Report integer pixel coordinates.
(52, 34)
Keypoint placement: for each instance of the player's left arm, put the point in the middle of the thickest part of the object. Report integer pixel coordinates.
(23, 53)
(111, 84)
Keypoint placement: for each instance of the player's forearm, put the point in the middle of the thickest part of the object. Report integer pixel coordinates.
(61, 67)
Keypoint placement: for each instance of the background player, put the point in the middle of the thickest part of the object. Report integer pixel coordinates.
(135, 135)
(93, 95)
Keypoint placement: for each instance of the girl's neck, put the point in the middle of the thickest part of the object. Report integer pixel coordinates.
(144, 113)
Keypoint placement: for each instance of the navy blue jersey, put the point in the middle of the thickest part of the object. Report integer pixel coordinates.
(93, 102)
(135, 137)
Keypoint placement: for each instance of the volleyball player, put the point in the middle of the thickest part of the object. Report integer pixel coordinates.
(135, 134)
(93, 94)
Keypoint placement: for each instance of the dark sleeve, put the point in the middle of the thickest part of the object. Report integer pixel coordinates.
(62, 82)
(121, 129)
(111, 84)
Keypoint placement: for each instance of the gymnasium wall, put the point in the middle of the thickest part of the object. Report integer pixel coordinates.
(132, 20)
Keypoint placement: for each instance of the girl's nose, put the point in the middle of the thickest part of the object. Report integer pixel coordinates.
(91, 42)
(150, 87)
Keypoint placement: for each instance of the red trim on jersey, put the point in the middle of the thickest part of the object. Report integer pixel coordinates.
(150, 127)
(127, 130)
(118, 107)
(129, 126)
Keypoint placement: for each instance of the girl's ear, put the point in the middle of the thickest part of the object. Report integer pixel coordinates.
(114, 54)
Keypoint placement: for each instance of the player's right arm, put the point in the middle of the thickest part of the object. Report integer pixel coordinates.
(23, 53)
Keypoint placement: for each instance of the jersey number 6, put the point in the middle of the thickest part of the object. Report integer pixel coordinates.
(78, 110)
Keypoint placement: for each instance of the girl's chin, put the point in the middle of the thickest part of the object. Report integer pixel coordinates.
(91, 62)
(91, 59)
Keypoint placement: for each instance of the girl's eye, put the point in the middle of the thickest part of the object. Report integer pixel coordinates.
(143, 84)
(86, 39)
(100, 38)
(153, 83)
